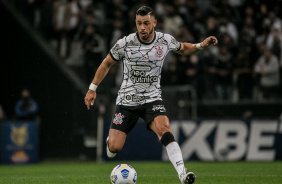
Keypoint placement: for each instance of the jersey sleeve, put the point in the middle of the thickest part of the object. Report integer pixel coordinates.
(173, 44)
(118, 50)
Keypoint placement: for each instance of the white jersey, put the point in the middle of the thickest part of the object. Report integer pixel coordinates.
(142, 66)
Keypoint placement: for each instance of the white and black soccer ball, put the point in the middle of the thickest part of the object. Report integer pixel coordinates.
(123, 174)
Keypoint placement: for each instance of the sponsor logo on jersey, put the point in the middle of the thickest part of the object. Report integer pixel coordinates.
(160, 108)
(159, 51)
(139, 76)
(134, 98)
(141, 67)
(118, 119)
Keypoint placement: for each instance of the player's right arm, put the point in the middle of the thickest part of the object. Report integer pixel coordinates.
(99, 76)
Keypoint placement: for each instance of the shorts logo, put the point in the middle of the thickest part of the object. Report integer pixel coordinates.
(159, 108)
(118, 119)
(159, 52)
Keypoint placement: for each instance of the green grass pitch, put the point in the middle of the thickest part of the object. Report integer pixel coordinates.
(147, 173)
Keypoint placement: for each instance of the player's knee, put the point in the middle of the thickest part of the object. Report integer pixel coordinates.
(162, 129)
(114, 148)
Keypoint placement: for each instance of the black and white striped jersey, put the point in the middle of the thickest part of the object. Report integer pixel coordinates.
(142, 65)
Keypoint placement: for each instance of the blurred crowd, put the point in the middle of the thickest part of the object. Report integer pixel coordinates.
(246, 64)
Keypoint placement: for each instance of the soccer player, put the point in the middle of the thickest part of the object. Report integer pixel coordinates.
(143, 54)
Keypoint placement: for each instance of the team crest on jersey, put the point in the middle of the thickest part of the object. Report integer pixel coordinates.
(159, 51)
(118, 118)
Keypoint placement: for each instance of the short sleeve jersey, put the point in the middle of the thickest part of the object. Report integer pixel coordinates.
(142, 66)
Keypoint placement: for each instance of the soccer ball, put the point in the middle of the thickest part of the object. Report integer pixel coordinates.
(123, 174)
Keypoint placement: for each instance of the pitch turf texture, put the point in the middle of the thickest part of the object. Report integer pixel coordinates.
(147, 173)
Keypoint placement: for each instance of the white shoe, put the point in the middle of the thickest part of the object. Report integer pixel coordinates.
(188, 178)
(109, 153)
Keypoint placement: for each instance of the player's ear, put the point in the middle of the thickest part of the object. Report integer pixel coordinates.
(155, 22)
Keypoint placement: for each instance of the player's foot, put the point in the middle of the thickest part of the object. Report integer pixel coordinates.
(109, 153)
(188, 178)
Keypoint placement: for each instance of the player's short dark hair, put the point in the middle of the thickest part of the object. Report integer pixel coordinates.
(145, 10)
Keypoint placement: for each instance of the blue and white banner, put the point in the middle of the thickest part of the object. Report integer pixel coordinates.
(208, 140)
(19, 142)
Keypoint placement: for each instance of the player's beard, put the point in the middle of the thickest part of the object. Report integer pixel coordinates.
(146, 37)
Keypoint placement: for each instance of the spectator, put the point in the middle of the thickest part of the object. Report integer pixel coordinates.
(3, 117)
(228, 42)
(261, 39)
(211, 26)
(260, 15)
(194, 75)
(274, 42)
(249, 12)
(58, 24)
(26, 108)
(209, 60)
(274, 21)
(267, 67)
(88, 20)
(224, 74)
(198, 24)
(248, 35)
(93, 47)
(244, 74)
(72, 17)
(172, 21)
(116, 31)
(226, 26)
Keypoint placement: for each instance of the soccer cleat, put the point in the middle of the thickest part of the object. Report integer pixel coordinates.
(188, 178)
(109, 153)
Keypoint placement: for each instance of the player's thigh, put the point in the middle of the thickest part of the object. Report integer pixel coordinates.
(156, 117)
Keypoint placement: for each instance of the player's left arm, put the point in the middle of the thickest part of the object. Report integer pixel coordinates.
(189, 49)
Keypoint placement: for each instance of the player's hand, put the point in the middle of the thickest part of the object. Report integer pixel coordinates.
(209, 41)
(90, 98)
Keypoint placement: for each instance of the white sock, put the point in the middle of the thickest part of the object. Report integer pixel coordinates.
(175, 156)
(109, 153)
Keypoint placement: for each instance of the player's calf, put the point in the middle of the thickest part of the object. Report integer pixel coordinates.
(109, 153)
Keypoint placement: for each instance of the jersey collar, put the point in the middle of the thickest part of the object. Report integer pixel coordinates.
(146, 43)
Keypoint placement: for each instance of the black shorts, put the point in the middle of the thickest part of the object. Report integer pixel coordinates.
(126, 117)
